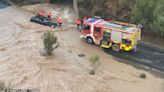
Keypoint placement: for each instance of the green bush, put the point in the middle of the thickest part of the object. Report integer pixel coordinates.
(52, 1)
(3, 86)
(94, 61)
(150, 13)
(143, 76)
(49, 40)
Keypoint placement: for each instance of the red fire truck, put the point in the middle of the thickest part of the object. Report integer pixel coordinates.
(111, 34)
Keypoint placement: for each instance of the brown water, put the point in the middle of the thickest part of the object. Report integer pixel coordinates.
(22, 66)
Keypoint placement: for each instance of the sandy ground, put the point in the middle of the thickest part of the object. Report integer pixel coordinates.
(22, 66)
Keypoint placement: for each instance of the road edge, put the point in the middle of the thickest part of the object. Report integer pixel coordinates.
(9, 2)
(152, 45)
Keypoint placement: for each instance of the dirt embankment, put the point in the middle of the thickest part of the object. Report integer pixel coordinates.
(22, 66)
(108, 9)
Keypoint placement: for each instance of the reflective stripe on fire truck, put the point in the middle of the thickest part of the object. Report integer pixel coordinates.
(123, 23)
(106, 46)
(92, 25)
(139, 34)
(124, 47)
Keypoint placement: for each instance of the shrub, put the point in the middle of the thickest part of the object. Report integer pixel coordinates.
(142, 76)
(4, 86)
(94, 61)
(49, 40)
(150, 14)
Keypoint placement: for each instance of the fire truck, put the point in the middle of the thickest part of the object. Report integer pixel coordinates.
(119, 36)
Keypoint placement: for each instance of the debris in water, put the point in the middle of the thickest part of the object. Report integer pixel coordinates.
(81, 55)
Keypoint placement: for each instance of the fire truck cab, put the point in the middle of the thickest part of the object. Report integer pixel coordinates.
(111, 34)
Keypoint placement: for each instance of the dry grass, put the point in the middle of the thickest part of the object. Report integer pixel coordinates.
(4, 86)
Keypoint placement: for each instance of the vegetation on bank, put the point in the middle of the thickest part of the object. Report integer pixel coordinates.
(149, 13)
(49, 39)
(94, 62)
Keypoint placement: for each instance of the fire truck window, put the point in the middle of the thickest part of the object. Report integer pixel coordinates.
(123, 41)
(86, 27)
(126, 41)
(97, 29)
(106, 35)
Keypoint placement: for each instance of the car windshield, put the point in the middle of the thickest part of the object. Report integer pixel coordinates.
(45, 20)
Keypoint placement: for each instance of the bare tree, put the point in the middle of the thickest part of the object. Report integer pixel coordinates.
(75, 7)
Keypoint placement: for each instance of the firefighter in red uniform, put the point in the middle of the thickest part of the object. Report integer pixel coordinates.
(78, 22)
(41, 13)
(49, 15)
(59, 20)
(85, 19)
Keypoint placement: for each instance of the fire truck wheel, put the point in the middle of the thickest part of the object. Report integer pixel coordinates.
(89, 40)
(116, 47)
(101, 42)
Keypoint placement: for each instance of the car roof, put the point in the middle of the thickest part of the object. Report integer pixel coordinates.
(41, 17)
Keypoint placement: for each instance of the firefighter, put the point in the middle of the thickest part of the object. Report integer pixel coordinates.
(49, 15)
(59, 20)
(41, 13)
(85, 19)
(78, 22)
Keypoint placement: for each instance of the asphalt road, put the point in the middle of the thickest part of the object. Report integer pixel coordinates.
(146, 55)
(3, 4)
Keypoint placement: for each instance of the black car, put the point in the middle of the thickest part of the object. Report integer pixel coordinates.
(44, 21)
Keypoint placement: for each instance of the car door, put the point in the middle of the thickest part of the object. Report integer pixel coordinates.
(106, 37)
(36, 19)
(42, 21)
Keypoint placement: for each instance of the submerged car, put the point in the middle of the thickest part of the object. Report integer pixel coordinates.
(44, 21)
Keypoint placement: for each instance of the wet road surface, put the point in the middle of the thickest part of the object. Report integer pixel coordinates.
(146, 55)
(3, 4)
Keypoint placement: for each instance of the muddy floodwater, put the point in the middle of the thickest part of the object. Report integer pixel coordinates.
(22, 66)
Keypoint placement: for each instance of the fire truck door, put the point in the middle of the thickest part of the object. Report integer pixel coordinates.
(105, 42)
(97, 33)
